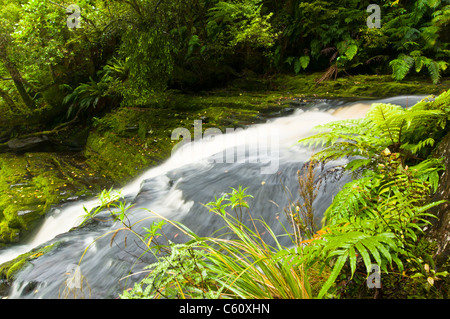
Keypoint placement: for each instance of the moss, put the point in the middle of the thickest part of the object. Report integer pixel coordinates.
(9, 270)
(31, 183)
(128, 140)
(15, 268)
(357, 86)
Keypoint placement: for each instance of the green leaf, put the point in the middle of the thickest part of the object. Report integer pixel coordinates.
(297, 66)
(364, 254)
(304, 61)
(401, 66)
(356, 164)
(351, 51)
(435, 71)
(340, 262)
(372, 244)
(352, 258)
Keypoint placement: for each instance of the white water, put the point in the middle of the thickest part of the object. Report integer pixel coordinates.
(287, 130)
(276, 143)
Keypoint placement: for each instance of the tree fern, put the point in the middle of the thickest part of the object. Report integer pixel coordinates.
(401, 66)
(338, 248)
(404, 63)
(386, 126)
(434, 69)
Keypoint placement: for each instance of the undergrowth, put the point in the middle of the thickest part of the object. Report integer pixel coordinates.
(376, 222)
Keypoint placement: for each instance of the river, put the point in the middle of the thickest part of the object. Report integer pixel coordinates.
(264, 158)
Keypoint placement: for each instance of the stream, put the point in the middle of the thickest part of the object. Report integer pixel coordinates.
(263, 158)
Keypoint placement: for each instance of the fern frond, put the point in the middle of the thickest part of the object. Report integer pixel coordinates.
(428, 171)
(345, 246)
(388, 118)
(401, 66)
(354, 195)
(416, 148)
(351, 51)
(435, 71)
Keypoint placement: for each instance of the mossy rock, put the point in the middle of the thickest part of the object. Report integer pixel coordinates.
(32, 183)
(10, 270)
(13, 270)
(361, 86)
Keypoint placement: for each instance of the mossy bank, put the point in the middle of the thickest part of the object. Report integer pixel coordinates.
(122, 143)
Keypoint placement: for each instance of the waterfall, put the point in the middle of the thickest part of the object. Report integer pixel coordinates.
(264, 158)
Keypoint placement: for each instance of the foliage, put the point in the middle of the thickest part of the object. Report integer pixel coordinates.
(410, 132)
(243, 266)
(378, 217)
(243, 23)
(148, 56)
(87, 96)
(181, 274)
(146, 47)
(381, 215)
(404, 63)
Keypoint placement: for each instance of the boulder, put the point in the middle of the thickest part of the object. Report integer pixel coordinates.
(35, 143)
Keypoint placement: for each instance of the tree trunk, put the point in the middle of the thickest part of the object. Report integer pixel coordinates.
(18, 82)
(15, 74)
(8, 100)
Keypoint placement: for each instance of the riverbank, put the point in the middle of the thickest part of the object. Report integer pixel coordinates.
(122, 143)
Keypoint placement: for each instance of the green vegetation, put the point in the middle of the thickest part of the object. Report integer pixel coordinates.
(55, 66)
(94, 98)
(8, 270)
(378, 219)
(30, 184)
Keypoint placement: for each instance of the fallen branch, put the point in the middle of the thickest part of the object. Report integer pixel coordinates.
(59, 128)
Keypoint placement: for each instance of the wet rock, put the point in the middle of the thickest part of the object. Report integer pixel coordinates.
(4, 288)
(30, 287)
(18, 185)
(37, 143)
(24, 212)
(288, 110)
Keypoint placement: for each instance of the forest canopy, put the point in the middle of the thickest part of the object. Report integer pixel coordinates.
(61, 59)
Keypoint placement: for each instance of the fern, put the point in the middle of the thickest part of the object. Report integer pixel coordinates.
(401, 66)
(435, 71)
(404, 63)
(337, 248)
(351, 51)
(381, 214)
(379, 217)
(386, 126)
(302, 63)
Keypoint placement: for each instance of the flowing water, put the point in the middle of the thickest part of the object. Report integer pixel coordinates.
(263, 158)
